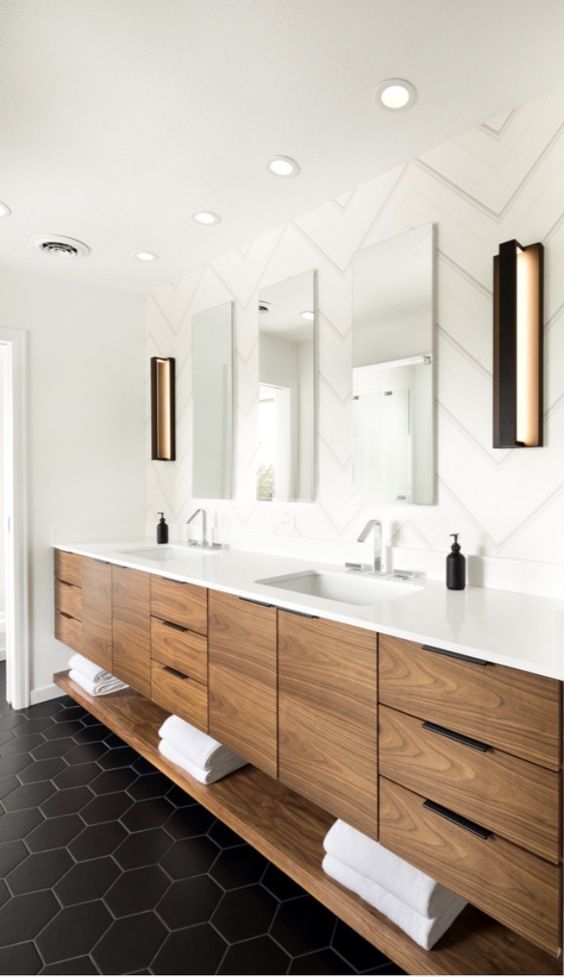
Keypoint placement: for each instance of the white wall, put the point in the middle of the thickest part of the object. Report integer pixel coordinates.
(500, 181)
(2, 515)
(86, 375)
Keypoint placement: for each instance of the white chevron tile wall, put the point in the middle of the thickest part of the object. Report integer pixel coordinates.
(499, 181)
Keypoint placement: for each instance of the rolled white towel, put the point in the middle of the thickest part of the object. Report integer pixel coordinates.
(203, 776)
(90, 671)
(425, 930)
(199, 748)
(369, 858)
(105, 687)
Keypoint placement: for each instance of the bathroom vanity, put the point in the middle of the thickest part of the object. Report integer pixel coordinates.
(429, 720)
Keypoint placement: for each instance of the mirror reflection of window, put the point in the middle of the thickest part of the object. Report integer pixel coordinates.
(393, 421)
(285, 468)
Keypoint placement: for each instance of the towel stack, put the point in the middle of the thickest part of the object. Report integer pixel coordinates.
(197, 753)
(412, 900)
(92, 678)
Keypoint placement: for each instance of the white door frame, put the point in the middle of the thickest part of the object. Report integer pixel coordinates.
(17, 588)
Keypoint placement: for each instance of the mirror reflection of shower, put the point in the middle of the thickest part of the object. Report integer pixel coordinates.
(285, 466)
(393, 382)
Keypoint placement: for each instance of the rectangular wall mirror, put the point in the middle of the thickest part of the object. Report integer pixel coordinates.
(393, 371)
(212, 418)
(287, 390)
(163, 446)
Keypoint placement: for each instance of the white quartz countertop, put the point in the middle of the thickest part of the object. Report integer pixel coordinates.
(518, 630)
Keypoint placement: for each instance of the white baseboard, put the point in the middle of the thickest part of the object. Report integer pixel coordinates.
(44, 693)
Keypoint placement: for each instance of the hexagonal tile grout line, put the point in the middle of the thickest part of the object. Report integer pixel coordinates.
(117, 846)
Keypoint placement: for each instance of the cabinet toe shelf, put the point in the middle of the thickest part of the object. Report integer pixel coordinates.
(289, 831)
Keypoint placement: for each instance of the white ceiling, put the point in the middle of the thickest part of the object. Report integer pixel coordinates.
(118, 118)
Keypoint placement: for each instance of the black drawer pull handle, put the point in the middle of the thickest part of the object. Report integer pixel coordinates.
(175, 672)
(259, 603)
(67, 617)
(465, 823)
(176, 627)
(455, 654)
(312, 617)
(65, 583)
(457, 737)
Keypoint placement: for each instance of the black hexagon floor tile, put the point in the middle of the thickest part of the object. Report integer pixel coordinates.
(20, 959)
(23, 917)
(238, 866)
(123, 872)
(74, 931)
(129, 944)
(137, 890)
(200, 948)
(143, 848)
(191, 856)
(189, 901)
(39, 871)
(260, 955)
(243, 913)
(87, 880)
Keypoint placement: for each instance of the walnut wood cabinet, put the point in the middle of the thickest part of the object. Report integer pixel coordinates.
(243, 678)
(327, 723)
(132, 628)
(83, 606)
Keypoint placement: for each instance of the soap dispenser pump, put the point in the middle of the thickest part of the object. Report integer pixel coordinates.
(162, 529)
(455, 566)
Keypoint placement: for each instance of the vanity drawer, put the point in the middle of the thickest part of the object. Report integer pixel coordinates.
(517, 799)
(180, 603)
(67, 567)
(184, 650)
(179, 695)
(512, 885)
(68, 599)
(512, 710)
(68, 630)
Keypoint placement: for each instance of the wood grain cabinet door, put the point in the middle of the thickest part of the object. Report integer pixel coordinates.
(242, 678)
(96, 579)
(327, 727)
(131, 628)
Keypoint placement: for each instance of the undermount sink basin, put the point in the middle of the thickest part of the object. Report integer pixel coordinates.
(345, 588)
(166, 552)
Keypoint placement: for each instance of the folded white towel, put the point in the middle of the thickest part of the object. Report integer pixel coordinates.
(423, 929)
(203, 776)
(105, 687)
(417, 890)
(90, 671)
(199, 748)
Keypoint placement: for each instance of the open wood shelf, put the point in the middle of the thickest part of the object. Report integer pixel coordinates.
(289, 831)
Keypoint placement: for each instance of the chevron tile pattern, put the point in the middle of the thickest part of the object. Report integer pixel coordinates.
(496, 182)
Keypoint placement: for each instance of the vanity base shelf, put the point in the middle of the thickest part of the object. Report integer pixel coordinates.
(289, 831)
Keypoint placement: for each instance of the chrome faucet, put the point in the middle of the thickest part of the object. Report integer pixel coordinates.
(204, 539)
(375, 526)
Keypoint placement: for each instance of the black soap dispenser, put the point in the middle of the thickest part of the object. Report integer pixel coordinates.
(162, 529)
(455, 567)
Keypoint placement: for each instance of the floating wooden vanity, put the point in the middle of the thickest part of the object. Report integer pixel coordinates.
(453, 763)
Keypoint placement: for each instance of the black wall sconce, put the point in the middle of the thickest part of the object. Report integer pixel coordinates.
(163, 438)
(518, 346)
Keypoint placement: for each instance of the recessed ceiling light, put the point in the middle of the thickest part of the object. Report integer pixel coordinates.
(206, 217)
(60, 246)
(4, 210)
(396, 94)
(282, 166)
(146, 256)
(307, 314)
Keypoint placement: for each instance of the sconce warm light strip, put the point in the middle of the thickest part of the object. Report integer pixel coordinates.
(518, 344)
(163, 446)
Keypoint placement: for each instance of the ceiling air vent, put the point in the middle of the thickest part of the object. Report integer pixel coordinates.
(264, 306)
(61, 246)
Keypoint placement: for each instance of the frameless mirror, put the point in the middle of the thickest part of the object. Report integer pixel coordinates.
(286, 407)
(392, 351)
(212, 418)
